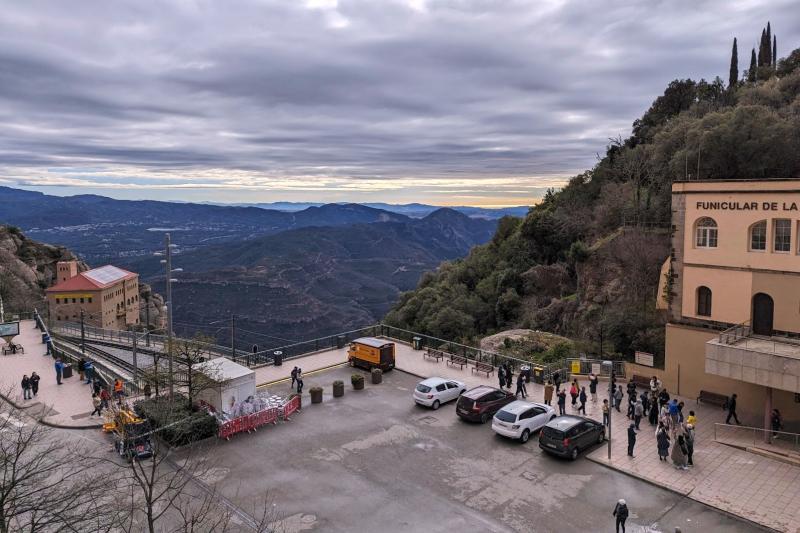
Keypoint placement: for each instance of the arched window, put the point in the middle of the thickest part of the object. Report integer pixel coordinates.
(758, 236)
(703, 301)
(706, 233)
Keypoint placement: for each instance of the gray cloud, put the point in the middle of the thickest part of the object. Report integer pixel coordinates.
(375, 99)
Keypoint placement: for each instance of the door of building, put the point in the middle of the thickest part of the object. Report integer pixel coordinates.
(763, 308)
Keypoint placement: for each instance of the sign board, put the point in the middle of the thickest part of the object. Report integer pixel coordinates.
(575, 367)
(596, 369)
(9, 329)
(644, 358)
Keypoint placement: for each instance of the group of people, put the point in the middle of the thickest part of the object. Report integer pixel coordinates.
(101, 396)
(505, 375)
(30, 386)
(297, 378)
(577, 393)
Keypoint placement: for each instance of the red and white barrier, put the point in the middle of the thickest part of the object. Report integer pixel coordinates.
(254, 421)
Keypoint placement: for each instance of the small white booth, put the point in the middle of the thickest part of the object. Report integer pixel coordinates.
(235, 383)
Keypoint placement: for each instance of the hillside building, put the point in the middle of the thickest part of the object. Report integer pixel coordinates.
(731, 288)
(108, 296)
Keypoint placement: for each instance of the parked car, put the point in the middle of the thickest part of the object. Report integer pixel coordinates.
(433, 392)
(482, 402)
(520, 419)
(567, 435)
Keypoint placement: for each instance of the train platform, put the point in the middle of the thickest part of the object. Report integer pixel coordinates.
(67, 405)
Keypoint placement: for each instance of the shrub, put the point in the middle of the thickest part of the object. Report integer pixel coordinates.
(189, 425)
(356, 378)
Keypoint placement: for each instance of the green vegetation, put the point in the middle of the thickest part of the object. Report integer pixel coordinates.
(177, 422)
(585, 263)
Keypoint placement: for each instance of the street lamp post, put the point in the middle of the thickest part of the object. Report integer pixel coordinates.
(167, 262)
(610, 408)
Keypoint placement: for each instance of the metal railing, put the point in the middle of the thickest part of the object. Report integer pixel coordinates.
(298, 349)
(766, 439)
(736, 333)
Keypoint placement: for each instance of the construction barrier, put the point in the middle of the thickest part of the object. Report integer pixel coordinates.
(254, 421)
(290, 407)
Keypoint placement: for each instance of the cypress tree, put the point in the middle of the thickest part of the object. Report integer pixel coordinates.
(733, 76)
(768, 46)
(751, 73)
(775, 51)
(761, 54)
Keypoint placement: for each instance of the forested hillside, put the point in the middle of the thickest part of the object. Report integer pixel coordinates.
(585, 262)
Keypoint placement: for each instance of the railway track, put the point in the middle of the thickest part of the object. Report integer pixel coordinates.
(122, 359)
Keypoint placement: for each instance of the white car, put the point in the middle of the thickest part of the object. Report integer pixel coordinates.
(433, 392)
(520, 419)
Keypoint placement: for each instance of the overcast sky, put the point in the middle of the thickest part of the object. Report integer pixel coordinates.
(481, 102)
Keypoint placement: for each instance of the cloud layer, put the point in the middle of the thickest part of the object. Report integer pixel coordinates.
(451, 101)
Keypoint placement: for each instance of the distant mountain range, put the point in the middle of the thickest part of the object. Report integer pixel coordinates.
(413, 210)
(284, 274)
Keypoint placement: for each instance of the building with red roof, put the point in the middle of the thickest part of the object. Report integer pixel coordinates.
(108, 296)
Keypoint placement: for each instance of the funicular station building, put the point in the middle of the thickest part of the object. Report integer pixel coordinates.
(731, 289)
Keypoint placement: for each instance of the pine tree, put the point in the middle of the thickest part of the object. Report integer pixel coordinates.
(733, 76)
(751, 72)
(768, 46)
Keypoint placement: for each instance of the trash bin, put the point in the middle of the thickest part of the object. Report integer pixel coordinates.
(417, 343)
(607, 368)
(525, 370)
(538, 375)
(340, 341)
(67, 371)
(277, 358)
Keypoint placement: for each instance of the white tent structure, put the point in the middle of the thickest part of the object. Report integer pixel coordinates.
(235, 383)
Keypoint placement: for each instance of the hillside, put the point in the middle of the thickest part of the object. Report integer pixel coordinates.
(312, 281)
(584, 263)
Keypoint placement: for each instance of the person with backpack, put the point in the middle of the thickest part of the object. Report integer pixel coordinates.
(26, 387)
(621, 514)
(732, 410)
(582, 399)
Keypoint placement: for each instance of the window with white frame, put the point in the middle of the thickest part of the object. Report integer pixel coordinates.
(783, 235)
(706, 233)
(758, 236)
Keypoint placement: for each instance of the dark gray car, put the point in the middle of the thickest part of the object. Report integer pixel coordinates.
(566, 436)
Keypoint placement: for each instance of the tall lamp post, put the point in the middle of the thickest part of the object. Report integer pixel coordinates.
(167, 262)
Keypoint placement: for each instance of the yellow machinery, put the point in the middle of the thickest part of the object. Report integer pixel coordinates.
(369, 353)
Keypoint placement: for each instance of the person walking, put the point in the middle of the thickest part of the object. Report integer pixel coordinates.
(26, 387)
(732, 410)
(631, 439)
(621, 514)
(593, 381)
(638, 412)
(562, 402)
(618, 398)
(520, 385)
(680, 412)
(119, 391)
(88, 370)
(548, 393)
(509, 376)
(673, 412)
(582, 399)
(573, 392)
(35, 383)
(688, 437)
(501, 375)
(294, 377)
(557, 380)
(299, 378)
(98, 405)
(679, 453)
(104, 397)
(59, 366)
(662, 441)
(605, 412)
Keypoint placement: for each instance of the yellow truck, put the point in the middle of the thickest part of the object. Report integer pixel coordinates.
(369, 353)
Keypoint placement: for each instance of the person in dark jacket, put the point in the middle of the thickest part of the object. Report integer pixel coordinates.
(557, 380)
(59, 366)
(521, 385)
(35, 383)
(26, 387)
(582, 398)
(688, 438)
(618, 394)
(631, 439)
(653, 416)
(732, 410)
(776, 421)
(662, 441)
(663, 398)
(509, 376)
(593, 381)
(562, 402)
(294, 377)
(81, 366)
(501, 375)
(645, 401)
(621, 514)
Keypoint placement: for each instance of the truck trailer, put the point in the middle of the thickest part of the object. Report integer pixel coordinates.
(369, 353)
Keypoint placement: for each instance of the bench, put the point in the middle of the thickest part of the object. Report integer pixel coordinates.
(13, 349)
(434, 354)
(483, 367)
(457, 360)
(712, 398)
(641, 381)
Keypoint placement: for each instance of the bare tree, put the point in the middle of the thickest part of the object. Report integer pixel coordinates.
(45, 485)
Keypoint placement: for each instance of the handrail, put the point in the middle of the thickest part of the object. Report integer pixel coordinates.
(748, 435)
(736, 333)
